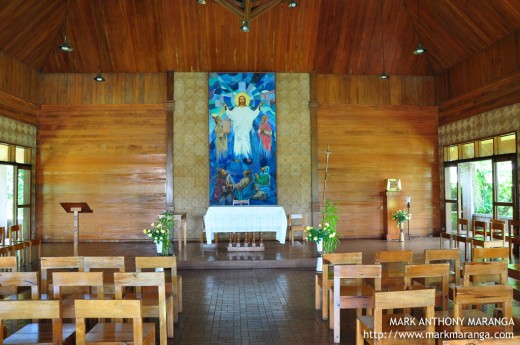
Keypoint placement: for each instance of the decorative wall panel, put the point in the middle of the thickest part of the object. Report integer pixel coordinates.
(191, 160)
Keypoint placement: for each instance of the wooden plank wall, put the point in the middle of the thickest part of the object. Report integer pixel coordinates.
(486, 81)
(97, 144)
(378, 130)
(19, 90)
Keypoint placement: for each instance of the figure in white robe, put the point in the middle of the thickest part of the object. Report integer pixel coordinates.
(242, 118)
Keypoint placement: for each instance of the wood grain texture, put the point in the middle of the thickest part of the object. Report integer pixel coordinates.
(145, 88)
(18, 109)
(375, 142)
(326, 36)
(19, 80)
(111, 156)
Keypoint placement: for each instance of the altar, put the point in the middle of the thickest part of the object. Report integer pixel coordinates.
(238, 219)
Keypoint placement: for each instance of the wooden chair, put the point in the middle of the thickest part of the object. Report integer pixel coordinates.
(393, 262)
(480, 228)
(427, 273)
(380, 324)
(358, 296)
(34, 242)
(485, 242)
(135, 332)
(490, 254)
(324, 280)
(57, 263)
(451, 256)
(4, 242)
(499, 231)
(173, 287)
(484, 272)
(70, 286)
(37, 332)
(153, 304)
(296, 223)
(10, 283)
(8, 263)
(466, 296)
(108, 265)
(514, 340)
(463, 235)
(16, 242)
(514, 236)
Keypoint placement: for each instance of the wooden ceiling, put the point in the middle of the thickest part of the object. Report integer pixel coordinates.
(326, 36)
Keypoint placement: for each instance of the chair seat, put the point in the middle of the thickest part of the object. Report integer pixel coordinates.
(123, 333)
(41, 333)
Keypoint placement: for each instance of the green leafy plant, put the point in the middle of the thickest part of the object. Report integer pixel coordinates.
(326, 231)
(159, 232)
(400, 216)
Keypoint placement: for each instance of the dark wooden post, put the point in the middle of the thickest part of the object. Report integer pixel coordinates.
(169, 110)
(313, 107)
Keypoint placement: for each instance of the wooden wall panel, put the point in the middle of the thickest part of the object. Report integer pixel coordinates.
(371, 144)
(18, 109)
(19, 80)
(486, 81)
(356, 89)
(136, 88)
(372, 141)
(111, 156)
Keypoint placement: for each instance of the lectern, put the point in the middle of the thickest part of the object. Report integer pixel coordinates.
(391, 203)
(76, 208)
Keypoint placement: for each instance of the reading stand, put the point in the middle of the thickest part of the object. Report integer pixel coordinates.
(76, 208)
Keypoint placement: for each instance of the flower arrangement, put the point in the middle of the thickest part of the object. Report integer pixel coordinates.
(326, 231)
(400, 216)
(160, 231)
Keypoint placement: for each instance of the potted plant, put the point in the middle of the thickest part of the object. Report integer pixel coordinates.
(325, 235)
(160, 232)
(400, 216)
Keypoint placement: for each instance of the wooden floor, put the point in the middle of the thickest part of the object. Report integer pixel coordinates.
(250, 298)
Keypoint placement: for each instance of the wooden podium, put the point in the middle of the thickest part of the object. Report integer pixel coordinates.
(392, 201)
(76, 208)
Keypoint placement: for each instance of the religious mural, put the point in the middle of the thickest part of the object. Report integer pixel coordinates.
(242, 138)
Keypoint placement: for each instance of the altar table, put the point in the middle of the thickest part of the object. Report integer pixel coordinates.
(246, 219)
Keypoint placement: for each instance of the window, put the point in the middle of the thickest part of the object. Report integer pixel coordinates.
(15, 187)
(480, 184)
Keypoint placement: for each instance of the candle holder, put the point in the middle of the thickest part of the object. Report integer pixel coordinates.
(408, 201)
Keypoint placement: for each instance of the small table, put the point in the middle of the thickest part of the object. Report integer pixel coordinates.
(180, 217)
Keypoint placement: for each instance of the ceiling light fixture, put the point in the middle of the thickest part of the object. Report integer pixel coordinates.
(420, 48)
(103, 46)
(65, 46)
(99, 78)
(245, 26)
(201, 2)
(247, 10)
(382, 75)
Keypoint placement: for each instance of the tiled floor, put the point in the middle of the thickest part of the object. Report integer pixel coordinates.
(256, 298)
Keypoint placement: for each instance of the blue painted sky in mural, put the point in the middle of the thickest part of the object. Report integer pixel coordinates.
(242, 139)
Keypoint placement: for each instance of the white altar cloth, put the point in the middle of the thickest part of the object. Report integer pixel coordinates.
(246, 219)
